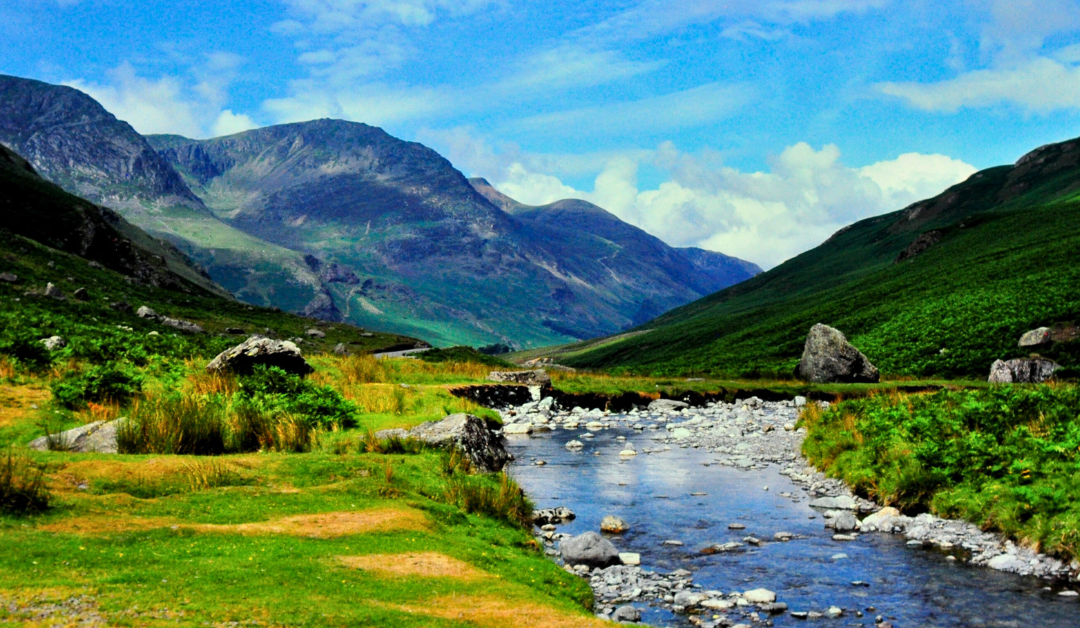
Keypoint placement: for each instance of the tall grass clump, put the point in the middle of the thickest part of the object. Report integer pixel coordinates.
(175, 424)
(22, 487)
(499, 498)
(362, 369)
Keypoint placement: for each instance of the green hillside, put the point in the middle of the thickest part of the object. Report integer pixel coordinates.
(941, 288)
(50, 236)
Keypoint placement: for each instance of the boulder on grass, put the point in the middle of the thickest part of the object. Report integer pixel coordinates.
(98, 437)
(538, 377)
(1036, 338)
(589, 549)
(829, 358)
(257, 350)
(1022, 371)
(469, 434)
(52, 343)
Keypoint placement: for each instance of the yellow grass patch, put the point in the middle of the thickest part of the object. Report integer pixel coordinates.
(488, 610)
(419, 564)
(15, 402)
(330, 524)
(98, 525)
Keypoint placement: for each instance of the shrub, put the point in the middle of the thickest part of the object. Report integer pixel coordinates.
(22, 487)
(27, 351)
(109, 382)
(276, 392)
(393, 445)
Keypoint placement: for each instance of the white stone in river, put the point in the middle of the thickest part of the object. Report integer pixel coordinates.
(838, 557)
(517, 428)
(628, 453)
(630, 558)
(594, 426)
(718, 605)
(680, 433)
(834, 611)
(759, 596)
(575, 444)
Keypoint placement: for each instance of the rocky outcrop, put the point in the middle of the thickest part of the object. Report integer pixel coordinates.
(829, 358)
(589, 549)
(470, 435)
(98, 437)
(52, 343)
(257, 350)
(175, 323)
(920, 245)
(538, 377)
(1036, 338)
(1022, 371)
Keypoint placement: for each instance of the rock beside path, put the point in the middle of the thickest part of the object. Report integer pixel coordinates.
(829, 358)
(1022, 371)
(538, 377)
(98, 437)
(665, 405)
(589, 549)
(257, 350)
(470, 435)
(1035, 338)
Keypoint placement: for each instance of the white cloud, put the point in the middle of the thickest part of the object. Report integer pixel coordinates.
(372, 103)
(194, 107)
(228, 123)
(804, 197)
(1040, 85)
(149, 105)
(687, 108)
(654, 17)
(334, 16)
(572, 66)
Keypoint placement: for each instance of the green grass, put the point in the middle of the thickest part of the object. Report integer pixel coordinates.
(1001, 268)
(1006, 458)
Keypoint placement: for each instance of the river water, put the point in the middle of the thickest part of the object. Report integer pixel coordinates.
(910, 587)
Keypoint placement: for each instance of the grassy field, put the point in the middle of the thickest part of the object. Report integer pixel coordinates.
(338, 534)
(1006, 458)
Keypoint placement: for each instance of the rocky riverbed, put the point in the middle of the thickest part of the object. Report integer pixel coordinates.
(751, 437)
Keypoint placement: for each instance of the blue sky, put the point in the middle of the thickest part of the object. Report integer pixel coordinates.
(753, 127)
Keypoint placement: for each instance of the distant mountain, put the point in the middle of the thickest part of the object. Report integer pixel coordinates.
(404, 240)
(34, 208)
(344, 222)
(941, 288)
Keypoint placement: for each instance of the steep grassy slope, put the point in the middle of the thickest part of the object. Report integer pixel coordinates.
(71, 140)
(943, 287)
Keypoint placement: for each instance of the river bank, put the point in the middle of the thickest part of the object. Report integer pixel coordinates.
(743, 443)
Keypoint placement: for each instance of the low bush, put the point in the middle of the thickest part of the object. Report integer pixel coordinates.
(1005, 457)
(109, 382)
(22, 487)
(276, 392)
(26, 351)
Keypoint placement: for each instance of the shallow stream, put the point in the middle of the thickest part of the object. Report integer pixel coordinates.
(910, 587)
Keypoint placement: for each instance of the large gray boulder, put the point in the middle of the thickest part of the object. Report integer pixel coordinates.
(829, 358)
(1022, 371)
(244, 357)
(1035, 338)
(469, 434)
(538, 377)
(98, 437)
(589, 549)
(665, 405)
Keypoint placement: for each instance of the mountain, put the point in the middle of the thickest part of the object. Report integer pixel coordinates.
(940, 288)
(344, 222)
(402, 240)
(72, 141)
(41, 211)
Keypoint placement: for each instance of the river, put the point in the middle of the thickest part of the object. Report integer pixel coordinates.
(909, 587)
